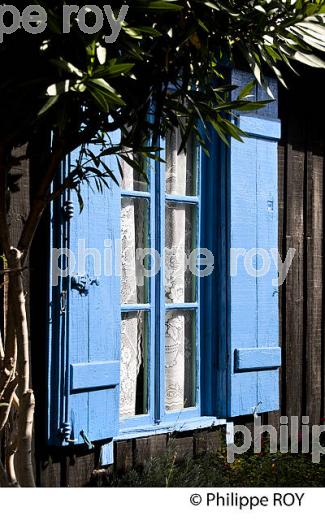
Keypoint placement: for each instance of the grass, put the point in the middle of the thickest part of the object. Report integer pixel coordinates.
(213, 470)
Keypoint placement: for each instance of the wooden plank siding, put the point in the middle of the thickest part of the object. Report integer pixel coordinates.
(18, 209)
(301, 224)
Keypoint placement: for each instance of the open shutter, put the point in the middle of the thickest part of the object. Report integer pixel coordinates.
(251, 345)
(85, 319)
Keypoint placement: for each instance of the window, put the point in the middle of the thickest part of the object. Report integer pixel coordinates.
(160, 229)
(130, 354)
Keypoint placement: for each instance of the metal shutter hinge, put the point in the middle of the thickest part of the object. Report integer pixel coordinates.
(68, 209)
(66, 431)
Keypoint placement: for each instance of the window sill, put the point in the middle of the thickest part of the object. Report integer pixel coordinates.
(190, 424)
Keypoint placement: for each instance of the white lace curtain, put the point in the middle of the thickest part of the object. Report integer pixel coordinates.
(178, 338)
(131, 333)
(178, 232)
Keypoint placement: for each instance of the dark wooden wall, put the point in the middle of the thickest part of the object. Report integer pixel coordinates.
(301, 226)
(18, 209)
(78, 467)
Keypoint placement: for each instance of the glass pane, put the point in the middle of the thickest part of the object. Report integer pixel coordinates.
(181, 178)
(134, 237)
(132, 179)
(180, 360)
(134, 364)
(180, 232)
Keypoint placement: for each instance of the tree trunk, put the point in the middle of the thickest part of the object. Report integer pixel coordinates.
(4, 482)
(25, 470)
(27, 402)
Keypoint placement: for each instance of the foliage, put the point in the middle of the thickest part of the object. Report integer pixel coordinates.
(170, 61)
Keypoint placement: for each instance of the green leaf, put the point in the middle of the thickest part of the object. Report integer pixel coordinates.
(101, 54)
(104, 93)
(100, 98)
(79, 86)
(246, 91)
(113, 70)
(68, 67)
(133, 33)
(219, 131)
(233, 130)
(102, 83)
(204, 27)
(309, 59)
(49, 103)
(56, 89)
(253, 105)
(162, 5)
(143, 30)
(212, 6)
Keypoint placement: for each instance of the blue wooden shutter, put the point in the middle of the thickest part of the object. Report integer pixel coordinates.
(250, 356)
(84, 372)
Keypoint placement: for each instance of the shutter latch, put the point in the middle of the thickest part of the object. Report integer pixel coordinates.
(82, 283)
(255, 409)
(86, 440)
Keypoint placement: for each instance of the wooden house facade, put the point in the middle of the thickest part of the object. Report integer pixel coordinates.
(236, 331)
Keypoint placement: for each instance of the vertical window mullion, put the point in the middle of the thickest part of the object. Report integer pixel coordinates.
(152, 370)
(197, 367)
(160, 293)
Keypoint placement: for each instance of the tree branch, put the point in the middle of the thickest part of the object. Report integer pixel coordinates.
(8, 381)
(18, 308)
(6, 402)
(2, 352)
(4, 229)
(11, 451)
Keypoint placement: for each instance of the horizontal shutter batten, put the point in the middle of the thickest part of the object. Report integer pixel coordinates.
(94, 375)
(257, 358)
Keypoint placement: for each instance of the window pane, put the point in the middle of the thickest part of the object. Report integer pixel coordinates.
(180, 233)
(134, 364)
(134, 236)
(180, 360)
(132, 179)
(181, 178)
